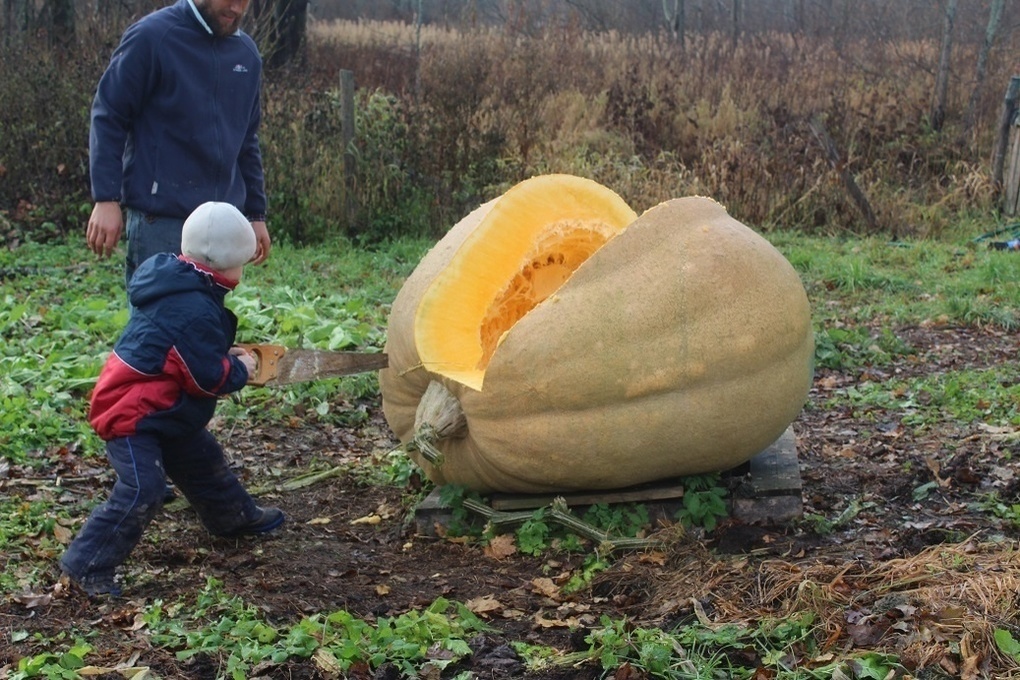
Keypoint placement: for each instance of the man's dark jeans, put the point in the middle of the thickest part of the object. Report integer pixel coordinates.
(149, 235)
(143, 462)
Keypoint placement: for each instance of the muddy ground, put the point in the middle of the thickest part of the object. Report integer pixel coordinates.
(902, 500)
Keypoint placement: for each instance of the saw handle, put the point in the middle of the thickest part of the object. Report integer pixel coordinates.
(267, 361)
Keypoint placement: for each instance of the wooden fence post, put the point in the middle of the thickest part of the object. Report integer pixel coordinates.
(347, 140)
(837, 163)
(1009, 107)
(1011, 193)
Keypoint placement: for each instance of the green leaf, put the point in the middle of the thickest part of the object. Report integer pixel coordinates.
(873, 666)
(1006, 643)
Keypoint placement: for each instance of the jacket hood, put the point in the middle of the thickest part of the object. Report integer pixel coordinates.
(166, 274)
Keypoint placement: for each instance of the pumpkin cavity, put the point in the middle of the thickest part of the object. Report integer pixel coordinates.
(528, 245)
(557, 254)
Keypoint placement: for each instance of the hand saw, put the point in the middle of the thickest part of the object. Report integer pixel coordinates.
(279, 365)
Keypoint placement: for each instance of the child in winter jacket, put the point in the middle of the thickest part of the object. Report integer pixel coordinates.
(158, 391)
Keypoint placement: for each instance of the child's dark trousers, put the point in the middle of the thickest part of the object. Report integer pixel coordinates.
(197, 467)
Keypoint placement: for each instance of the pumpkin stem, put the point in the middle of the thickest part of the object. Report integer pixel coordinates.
(424, 443)
(439, 416)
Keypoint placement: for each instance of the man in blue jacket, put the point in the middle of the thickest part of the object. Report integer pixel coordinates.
(157, 392)
(175, 123)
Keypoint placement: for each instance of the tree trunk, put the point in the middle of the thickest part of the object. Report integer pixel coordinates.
(794, 15)
(280, 30)
(17, 18)
(994, 17)
(291, 28)
(60, 23)
(736, 22)
(675, 19)
(938, 107)
(8, 21)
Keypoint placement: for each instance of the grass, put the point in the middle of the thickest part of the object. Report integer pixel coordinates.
(56, 335)
(860, 281)
(990, 396)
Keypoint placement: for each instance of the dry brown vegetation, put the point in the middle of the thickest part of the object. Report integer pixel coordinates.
(451, 117)
(655, 120)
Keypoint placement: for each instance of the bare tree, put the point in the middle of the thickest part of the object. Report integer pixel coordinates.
(938, 106)
(795, 15)
(994, 18)
(58, 16)
(280, 30)
(52, 19)
(735, 16)
(18, 18)
(675, 18)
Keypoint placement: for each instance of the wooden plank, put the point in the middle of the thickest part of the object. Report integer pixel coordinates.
(769, 492)
(636, 494)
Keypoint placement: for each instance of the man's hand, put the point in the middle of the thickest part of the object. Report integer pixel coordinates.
(106, 224)
(262, 242)
(247, 359)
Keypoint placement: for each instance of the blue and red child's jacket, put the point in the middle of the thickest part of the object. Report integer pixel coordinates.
(171, 362)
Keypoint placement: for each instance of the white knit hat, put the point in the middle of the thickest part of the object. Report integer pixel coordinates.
(217, 234)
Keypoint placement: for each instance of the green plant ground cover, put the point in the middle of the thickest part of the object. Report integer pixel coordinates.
(904, 563)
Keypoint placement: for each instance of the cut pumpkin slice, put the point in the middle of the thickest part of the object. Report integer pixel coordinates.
(527, 246)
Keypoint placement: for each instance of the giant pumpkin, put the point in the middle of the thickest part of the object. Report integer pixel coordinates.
(554, 341)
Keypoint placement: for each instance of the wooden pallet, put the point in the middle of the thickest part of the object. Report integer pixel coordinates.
(767, 490)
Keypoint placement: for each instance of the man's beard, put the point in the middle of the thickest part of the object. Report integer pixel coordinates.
(221, 25)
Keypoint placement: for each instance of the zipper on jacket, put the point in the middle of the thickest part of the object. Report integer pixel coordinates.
(217, 77)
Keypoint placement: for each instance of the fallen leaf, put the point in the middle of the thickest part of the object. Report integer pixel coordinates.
(626, 672)
(32, 600)
(545, 586)
(429, 671)
(950, 614)
(936, 471)
(828, 382)
(543, 622)
(62, 534)
(500, 547)
(382, 589)
(487, 604)
(328, 663)
(971, 659)
(653, 557)
(138, 623)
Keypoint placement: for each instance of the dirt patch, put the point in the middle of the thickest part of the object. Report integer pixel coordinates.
(895, 552)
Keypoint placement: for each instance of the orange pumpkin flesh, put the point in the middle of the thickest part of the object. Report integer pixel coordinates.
(521, 252)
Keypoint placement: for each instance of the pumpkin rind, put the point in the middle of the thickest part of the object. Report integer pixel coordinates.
(682, 346)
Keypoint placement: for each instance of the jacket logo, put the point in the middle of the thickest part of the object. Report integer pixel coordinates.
(240, 68)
